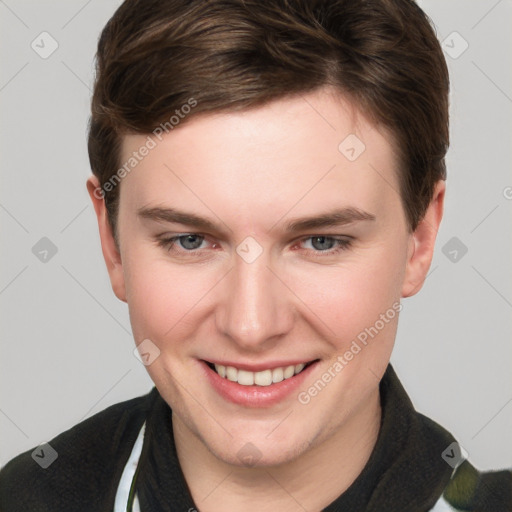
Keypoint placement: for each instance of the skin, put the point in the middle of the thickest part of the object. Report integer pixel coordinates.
(251, 172)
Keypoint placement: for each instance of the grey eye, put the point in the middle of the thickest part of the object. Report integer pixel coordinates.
(191, 242)
(322, 243)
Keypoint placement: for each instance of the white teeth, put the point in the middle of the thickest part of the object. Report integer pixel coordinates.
(245, 378)
(299, 368)
(289, 371)
(231, 373)
(277, 375)
(263, 378)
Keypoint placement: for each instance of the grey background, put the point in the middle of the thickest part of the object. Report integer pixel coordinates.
(66, 345)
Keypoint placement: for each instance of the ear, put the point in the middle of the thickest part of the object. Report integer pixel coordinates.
(421, 243)
(109, 247)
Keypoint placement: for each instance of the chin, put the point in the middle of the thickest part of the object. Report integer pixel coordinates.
(259, 449)
(252, 455)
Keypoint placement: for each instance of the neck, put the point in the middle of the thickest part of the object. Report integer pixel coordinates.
(293, 486)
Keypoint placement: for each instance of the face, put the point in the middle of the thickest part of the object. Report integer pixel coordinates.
(265, 262)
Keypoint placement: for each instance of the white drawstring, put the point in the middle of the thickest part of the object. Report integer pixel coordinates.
(123, 490)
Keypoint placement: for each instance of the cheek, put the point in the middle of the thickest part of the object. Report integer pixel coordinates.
(162, 298)
(349, 297)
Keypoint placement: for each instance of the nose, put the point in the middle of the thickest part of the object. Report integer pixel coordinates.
(256, 311)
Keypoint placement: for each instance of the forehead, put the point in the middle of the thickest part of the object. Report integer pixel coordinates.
(296, 153)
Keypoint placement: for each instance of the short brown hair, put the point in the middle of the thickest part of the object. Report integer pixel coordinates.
(155, 55)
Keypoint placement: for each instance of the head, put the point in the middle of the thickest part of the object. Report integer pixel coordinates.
(301, 145)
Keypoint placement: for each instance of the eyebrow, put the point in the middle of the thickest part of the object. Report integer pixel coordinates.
(332, 218)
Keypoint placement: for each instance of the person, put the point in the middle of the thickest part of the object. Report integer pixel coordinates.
(268, 180)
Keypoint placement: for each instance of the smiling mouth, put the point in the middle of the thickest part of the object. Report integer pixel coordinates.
(261, 378)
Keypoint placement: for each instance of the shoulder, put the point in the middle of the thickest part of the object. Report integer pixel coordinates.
(470, 489)
(80, 468)
(467, 489)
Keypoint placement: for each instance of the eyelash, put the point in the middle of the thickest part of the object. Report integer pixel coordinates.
(169, 244)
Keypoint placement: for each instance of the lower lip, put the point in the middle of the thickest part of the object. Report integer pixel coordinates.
(256, 396)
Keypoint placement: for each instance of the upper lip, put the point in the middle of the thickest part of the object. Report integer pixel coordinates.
(258, 367)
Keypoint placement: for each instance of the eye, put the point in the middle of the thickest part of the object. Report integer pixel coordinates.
(190, 242)
(328, 244)
(187, 243)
